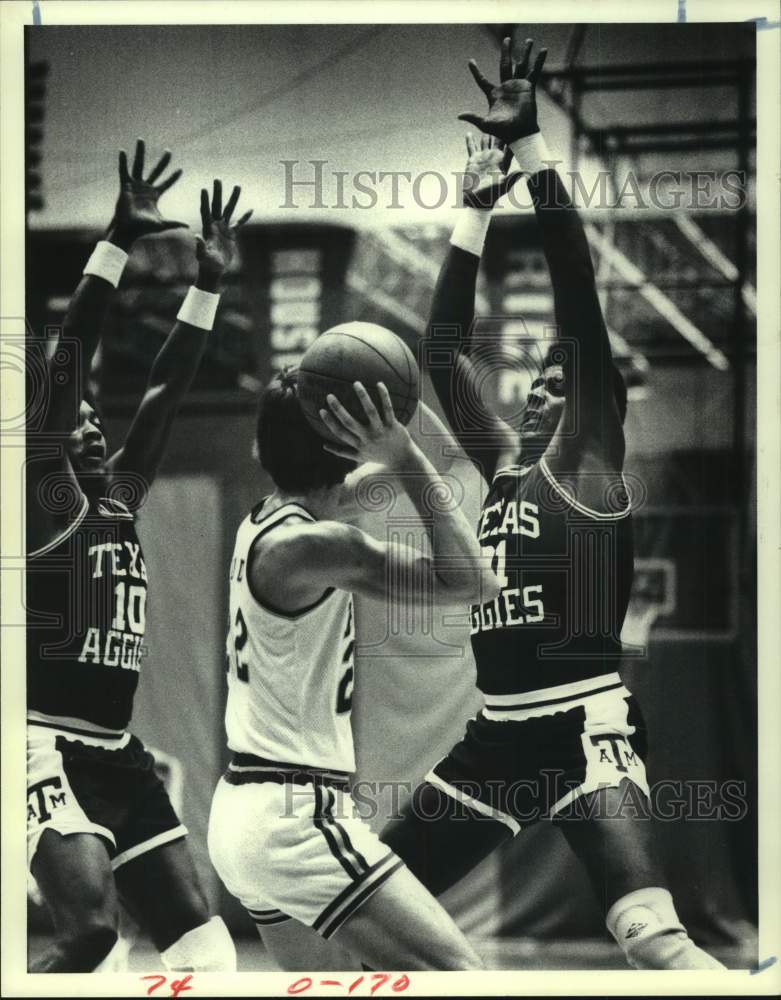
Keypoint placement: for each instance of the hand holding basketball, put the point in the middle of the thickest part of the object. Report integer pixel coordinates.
(382, 439)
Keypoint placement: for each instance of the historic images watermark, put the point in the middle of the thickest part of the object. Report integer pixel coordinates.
(529, 800)
(311, 184)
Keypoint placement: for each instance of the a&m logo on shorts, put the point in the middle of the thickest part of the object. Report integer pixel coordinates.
(615, 750)
(43, 798)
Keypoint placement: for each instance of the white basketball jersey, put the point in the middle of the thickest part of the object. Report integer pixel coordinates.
(290, 675)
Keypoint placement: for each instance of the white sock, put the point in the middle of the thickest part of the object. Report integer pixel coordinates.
(648, 931)
(208, 948)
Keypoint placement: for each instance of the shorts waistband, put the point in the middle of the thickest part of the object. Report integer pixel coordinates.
(247, 768)
(78, 729)
(547, 701)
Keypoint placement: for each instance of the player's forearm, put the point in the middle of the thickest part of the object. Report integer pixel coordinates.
(456, 553)
(577, 306)
(170, 378)
(452, 314)
(179, 358)
(83, 327)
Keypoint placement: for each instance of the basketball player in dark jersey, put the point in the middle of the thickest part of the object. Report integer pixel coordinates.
(559, 736)
(100, 825)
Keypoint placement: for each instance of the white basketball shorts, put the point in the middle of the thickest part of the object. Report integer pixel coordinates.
(286, 849)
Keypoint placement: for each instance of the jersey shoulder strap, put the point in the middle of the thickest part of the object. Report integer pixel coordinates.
(264, 526)
(59, 538)
(621, 499)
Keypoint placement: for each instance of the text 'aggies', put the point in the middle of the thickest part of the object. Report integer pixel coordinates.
(121, 644)
(515, 605)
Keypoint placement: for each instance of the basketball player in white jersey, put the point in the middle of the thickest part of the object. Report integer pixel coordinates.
(284, 834)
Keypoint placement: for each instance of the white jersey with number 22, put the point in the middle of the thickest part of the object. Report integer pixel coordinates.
(290, 674)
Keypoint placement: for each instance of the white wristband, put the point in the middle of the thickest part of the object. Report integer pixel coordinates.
(471, 229)
(106, 261)
(199, 308)
(532, 154)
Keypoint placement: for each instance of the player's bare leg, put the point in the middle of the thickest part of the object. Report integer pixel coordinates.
(438, 851)
(618, 853)
(163, 892)
(403, 927)
(296, 947)
(74, 875)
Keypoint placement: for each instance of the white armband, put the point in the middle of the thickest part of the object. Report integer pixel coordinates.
(199, 308)
(471, 229)
(106, 261)
(532, 154)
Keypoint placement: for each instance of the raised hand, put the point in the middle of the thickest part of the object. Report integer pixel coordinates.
(136, 213)
(512, 104)
(486, 177)
(381, 439)
(217, 247)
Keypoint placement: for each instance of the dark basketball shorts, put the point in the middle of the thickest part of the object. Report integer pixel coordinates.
(522, 764)
(102, 785)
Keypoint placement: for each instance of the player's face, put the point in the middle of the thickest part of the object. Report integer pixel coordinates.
(87, 445)
(544, 405)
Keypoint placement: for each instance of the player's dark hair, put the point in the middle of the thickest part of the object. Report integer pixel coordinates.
(289, 448)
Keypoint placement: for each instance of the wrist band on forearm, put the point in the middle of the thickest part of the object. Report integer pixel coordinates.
(199, 308)
(531, 154)
(106, 261)
(471, 230)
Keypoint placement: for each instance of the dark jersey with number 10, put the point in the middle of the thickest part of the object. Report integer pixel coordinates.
(86, 615)
(566, 574)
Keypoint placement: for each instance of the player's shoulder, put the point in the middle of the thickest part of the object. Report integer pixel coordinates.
(296, 542)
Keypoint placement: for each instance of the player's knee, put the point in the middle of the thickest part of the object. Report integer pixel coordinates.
(449, 953)
(207, 948)
(460, 957)
(649, 932)
(89, 940)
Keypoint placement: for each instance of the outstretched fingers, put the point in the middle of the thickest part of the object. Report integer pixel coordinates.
(206, 218)
(523, 66)
(124, 173)
(343, 452)
(368, 406)
(138, 160)
(480, 80)
(159, 167)
(388, 413)
(539, 62)
(345, 418)
(168, 182)
(244, 219)
(217, 199)
(506, 60)
(226, 215)
(340, 423)
(477, 120)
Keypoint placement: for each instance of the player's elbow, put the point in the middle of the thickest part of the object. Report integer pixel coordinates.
(474, 585)
(489, 587)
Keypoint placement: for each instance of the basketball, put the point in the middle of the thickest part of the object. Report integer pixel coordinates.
(357, 352)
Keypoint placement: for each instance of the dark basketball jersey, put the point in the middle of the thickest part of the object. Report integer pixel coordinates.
(86, 613)
(565, 573)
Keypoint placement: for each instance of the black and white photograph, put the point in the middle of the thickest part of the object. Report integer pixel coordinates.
(390, 544)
